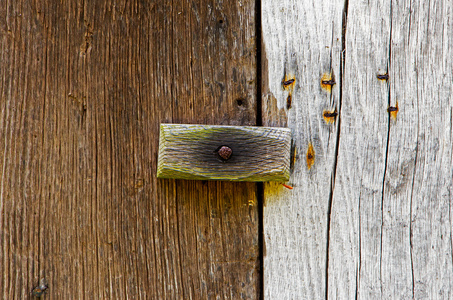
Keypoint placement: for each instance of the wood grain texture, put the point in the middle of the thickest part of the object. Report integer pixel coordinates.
(389, 232)
(356, 219)
(84, 86)
(392, 218)
(302, 41)
(190, 152)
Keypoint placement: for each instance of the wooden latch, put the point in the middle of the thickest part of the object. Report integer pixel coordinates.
(212, 152)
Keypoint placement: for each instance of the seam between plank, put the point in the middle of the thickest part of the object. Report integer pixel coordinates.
(259, 122)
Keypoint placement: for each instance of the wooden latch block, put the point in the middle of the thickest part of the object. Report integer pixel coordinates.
(210, 152)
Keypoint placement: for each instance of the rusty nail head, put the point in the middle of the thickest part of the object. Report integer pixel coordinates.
(288, 82)
(383, 76)
(224, 153)
(392, 108)
(328, 82)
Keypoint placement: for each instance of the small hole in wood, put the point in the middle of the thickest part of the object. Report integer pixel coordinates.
(240, 102)
(220, 21)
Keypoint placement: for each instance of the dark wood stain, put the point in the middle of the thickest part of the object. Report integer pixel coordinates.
(289, 101)
(84, 89)
(310, 156)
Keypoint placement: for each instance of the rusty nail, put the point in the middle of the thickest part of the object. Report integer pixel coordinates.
(392, 108)
(287, 82)
(224, 153)
(328, 82)
(330, 114)
(287, 186)
(383, 76)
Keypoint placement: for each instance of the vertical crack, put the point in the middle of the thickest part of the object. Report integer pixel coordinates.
(449, 192)
(178, 230)
(258, 41)
(387, 146)
(412, 192)
(337, 145)
(359, 266)
(410, 222)
(260, 201)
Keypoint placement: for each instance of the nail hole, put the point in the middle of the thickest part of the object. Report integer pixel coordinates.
(221, 21)
(289, 100)
(240, 102)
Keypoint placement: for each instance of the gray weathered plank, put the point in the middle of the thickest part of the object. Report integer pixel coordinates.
(302, 41)
(392, 201)
(390, 229)
(418, 183)
(356, 218)
(191, 152)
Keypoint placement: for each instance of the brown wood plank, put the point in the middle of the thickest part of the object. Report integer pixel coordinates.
(83, 89)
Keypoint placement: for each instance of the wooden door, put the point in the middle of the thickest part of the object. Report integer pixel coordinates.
(84, 86)
(365, 87)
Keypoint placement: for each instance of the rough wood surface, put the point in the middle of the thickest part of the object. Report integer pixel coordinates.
(84, 86)
(388, 231)
(302, 41)
(191, 152)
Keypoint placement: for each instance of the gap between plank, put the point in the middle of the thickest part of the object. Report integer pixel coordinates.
(259, 122)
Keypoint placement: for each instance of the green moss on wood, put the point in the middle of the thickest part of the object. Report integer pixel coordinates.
(259, 153)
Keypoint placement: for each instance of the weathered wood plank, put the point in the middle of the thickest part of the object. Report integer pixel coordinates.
(392, 201)
(390, 227)
(356, 218)
(302, 41)
(419, 175)
(84, 86)
(192, 152)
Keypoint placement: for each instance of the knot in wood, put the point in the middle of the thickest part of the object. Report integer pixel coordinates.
(224, 153)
